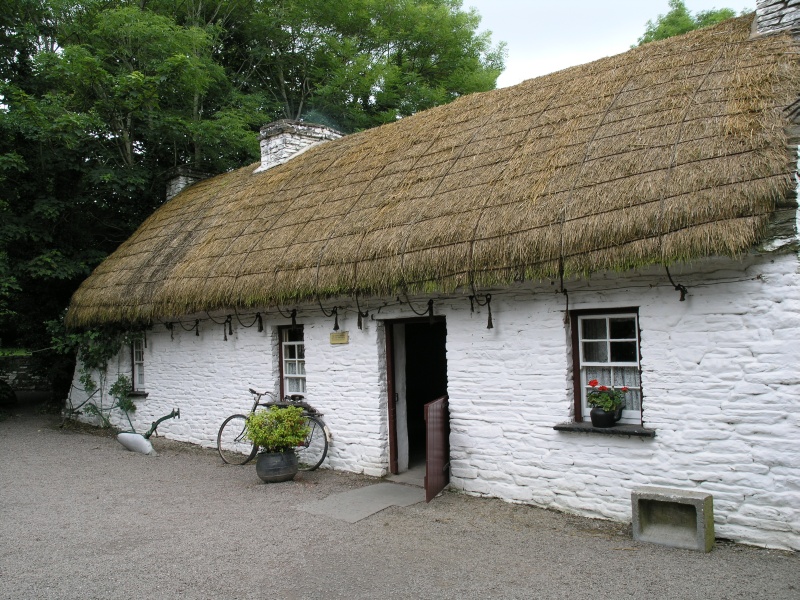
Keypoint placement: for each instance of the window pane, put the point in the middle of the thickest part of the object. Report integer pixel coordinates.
(623, 352)
(633, 400)
(594, 329)
(595, 352)
(293, 335)
(301, 367)
(295, 385)
(602, 374)
(624, 328)
(626, 376)
(291, 368)
(301, 351)
(289, 351)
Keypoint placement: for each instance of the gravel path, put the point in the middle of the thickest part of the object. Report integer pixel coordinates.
(81, 517)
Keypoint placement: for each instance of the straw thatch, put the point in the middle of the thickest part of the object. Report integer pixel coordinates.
(669, 152)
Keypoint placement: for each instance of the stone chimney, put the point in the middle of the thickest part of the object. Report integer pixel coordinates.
(776, 15)
(181, 178)
(285, 139)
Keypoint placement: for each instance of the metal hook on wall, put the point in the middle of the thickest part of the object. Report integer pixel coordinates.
(333, 313)
(487, 302)
(428, 312)
(292, 315)
(678, 287)
(361, 315)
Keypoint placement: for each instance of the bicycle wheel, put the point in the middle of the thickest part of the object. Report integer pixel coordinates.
(233, 447)
(313, 451)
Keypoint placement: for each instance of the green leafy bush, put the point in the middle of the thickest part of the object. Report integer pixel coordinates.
(277, 429)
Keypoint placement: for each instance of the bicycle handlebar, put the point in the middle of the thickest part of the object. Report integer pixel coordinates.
(288, 400)
(294, 398)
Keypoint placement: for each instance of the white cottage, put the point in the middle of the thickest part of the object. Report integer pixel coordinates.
(632, 220)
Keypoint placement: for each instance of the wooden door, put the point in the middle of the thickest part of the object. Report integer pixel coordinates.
(437, 448)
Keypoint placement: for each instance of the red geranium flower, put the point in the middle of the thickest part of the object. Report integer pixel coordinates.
(624, 388)
(603, 388)
(593, 382)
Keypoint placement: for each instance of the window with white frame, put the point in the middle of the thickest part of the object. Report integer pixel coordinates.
(293, 361)
(608, 352)
(137, 351)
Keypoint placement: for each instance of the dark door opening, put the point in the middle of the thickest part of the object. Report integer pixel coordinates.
(426, 380)
(418, 375)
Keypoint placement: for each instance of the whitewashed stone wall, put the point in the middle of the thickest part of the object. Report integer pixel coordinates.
(721, 388)
(720, 376)
(776, 15)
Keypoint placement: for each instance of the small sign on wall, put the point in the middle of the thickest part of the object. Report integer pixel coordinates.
(340, 337)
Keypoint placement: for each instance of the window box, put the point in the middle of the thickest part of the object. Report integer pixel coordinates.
(586, 427)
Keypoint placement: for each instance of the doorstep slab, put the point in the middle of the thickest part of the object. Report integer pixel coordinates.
(356, 505)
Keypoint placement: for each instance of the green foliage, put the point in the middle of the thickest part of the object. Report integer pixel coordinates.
(277, 429)
(120, 390)
(93, 347)
(100, 100)
(14, 352)
(679, 20)
(361, 63)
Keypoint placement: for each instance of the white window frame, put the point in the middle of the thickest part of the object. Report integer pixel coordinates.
(137, 363)
(628, 415)
(293, 361)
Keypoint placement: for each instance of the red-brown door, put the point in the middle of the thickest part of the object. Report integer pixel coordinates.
(393, 467)
(437, 448)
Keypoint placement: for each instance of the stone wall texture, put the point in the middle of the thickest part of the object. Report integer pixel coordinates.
(720, 378)
(24, 373)
(776, 15)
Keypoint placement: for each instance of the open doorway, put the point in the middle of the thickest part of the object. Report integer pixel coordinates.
(417, 376)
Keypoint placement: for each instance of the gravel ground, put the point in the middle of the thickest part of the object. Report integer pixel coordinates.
(81, 517)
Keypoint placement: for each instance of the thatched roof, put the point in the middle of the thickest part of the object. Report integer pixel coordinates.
(669, 152)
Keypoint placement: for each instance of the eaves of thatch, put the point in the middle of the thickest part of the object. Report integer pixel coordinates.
(669, 152)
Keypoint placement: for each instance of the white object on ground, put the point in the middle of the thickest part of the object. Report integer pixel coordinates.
(136, 442)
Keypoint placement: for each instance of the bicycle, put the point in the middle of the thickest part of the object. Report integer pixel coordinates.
(235, 449)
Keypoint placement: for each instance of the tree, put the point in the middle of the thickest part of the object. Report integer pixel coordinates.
(89, 132)
(100, 100)
(679, 20)
(355, 64)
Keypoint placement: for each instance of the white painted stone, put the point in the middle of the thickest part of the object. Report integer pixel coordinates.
(720, 374)
(283, 140)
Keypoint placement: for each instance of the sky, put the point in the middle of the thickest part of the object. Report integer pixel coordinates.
(546, 36)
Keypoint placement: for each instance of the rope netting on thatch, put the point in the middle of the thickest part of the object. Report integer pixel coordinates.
(671, 151)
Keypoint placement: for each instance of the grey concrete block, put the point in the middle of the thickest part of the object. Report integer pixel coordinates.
(673, 517)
